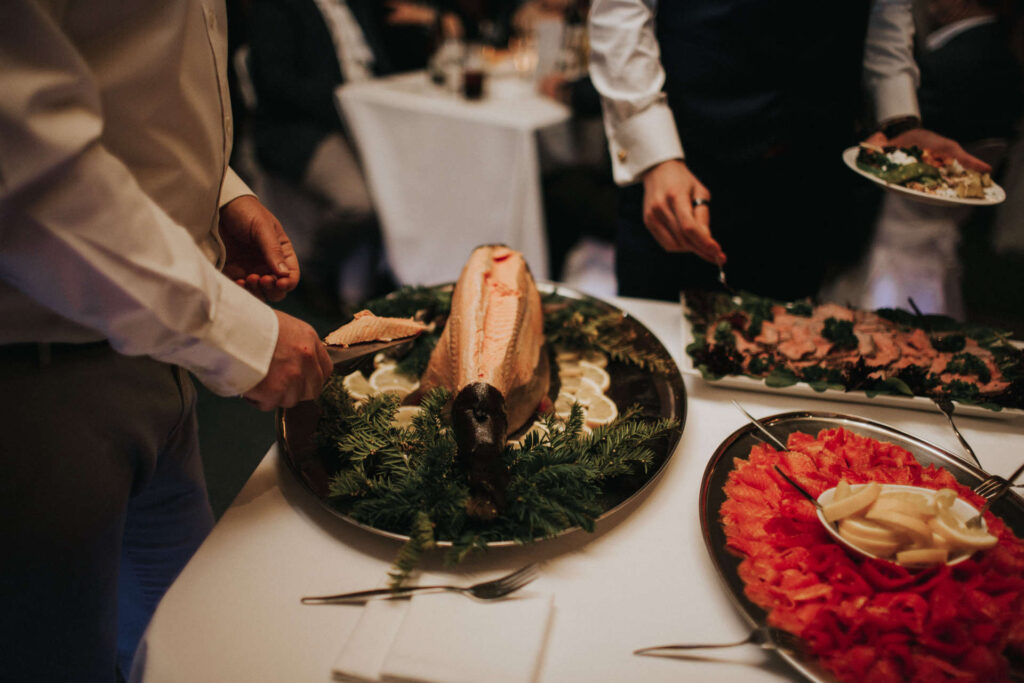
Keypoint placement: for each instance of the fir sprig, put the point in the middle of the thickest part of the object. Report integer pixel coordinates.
(407, 480)
(585, 324)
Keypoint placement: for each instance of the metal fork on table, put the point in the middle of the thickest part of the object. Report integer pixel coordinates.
(485, 590)
(765, 637)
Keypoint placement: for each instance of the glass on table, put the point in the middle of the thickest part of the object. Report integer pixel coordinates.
(473, 73)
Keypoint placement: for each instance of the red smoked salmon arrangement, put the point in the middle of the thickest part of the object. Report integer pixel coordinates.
(829, 346)
(866, 619)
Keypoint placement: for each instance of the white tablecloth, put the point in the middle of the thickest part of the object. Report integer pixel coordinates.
(447, 174)
(643, 578)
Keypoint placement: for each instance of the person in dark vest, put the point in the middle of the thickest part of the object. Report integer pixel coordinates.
(765, 96)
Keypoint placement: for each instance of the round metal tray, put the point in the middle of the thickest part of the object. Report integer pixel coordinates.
(738, 444)
(660, 396)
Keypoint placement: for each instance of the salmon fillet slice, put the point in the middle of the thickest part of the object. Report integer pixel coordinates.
(366, 327)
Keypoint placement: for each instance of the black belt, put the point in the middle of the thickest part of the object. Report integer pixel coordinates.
(45, 353)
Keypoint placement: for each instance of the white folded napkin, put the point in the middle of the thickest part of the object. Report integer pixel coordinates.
(362, 656)
(447, 638)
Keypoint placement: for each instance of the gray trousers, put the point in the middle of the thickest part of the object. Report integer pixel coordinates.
(102, 502)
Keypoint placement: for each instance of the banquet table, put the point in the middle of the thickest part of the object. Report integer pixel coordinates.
(643, 577)
(447, 174)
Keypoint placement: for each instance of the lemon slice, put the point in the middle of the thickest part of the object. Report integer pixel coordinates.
(564, 355)
(387, 379)
(570, 385)
(404, 415)
(945, 524)
(857, 501)
(583, 389)
(601, 411)
(916, 505)
(918, 531)
(569, 369)
(357, 386)
(944, 498)
(877, 547)
(864, 528)
(563, 405)
(596, 374)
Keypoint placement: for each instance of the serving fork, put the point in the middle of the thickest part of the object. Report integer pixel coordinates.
(992, 489)
(485, 590)
(946, 406)
(764, 636)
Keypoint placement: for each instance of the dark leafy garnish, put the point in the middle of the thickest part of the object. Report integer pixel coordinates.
(407, 480)
(948, 342)
(840, 333)
(969, 364)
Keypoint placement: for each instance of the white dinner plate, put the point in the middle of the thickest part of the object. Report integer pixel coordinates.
(993, 195)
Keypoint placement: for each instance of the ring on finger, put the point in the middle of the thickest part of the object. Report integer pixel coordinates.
(701, 201)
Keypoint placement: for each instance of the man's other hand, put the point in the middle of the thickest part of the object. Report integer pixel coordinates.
(260, 257)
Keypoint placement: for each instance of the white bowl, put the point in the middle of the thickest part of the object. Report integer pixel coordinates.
(961, 509)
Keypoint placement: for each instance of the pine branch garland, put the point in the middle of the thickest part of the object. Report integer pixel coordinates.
(406, 480)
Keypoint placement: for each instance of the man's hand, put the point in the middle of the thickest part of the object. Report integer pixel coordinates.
(935, 143)
(670, 191)
(260, 257)
(298, 369)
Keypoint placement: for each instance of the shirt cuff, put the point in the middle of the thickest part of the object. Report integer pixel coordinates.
(896, 97)
(246, 327)
(233, 187)
(642, 141)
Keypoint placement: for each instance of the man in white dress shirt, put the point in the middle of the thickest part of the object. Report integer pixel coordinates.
(118, 214)
(765, 96)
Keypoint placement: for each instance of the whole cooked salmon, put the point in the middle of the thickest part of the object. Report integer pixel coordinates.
(491, 355)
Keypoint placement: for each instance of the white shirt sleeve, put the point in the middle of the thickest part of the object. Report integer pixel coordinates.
(890, 72)
(79, 236)
(626, 69)
(625, 66)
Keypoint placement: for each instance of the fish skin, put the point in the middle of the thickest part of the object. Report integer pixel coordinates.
(494, 337)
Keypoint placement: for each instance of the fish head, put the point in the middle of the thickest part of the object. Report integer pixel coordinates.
(480, 422)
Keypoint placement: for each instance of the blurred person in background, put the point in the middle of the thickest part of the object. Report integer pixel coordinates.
(120, 220)
(972, 90)
(765, 97)
(580, 198)
(300, 52)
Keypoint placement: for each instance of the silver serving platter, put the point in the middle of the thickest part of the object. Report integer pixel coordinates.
(738, 444)
(661, 396)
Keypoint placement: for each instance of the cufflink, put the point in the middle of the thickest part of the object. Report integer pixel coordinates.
(621, 155)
